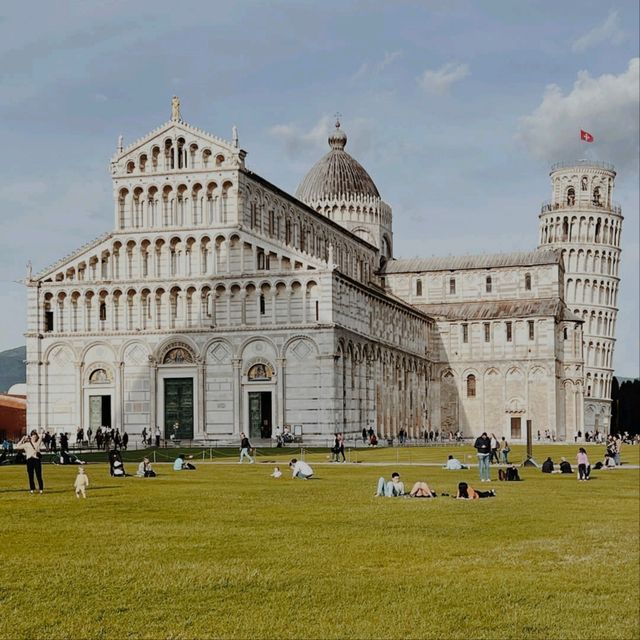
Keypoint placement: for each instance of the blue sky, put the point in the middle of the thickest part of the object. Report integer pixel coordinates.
(456, 109)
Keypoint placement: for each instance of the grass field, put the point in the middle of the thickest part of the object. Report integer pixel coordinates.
(226, 551)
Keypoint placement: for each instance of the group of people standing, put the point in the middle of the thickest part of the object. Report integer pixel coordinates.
(369, 436)
(149, 436)
(111, 438)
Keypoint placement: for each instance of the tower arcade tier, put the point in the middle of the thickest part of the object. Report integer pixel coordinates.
(585, 224)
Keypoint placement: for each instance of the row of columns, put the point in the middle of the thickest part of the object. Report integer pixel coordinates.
(134, 212)
(556, 230)
(182, 308)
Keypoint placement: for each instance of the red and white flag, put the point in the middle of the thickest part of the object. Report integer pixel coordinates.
(585, 136)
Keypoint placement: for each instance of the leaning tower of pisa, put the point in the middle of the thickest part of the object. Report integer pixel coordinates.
(582, 221)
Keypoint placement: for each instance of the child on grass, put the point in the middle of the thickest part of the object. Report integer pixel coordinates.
(81, 483)
(276, 473)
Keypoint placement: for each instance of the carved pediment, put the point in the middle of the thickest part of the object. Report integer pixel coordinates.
(175, 146)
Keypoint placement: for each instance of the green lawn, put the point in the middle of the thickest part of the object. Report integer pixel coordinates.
(226, 551)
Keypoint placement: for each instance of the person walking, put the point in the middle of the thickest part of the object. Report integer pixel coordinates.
(584, 468)
(495, 447)
(245, 447)
(505, 450)
(125, 440)
(483, 447)
(335, 449)
(617, 449)
(81, 483)
(31, 445)
(157, 437)
(364, 434)
(341, 447)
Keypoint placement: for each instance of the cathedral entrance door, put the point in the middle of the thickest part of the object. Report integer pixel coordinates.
(178, 408)
(516, 428)
(260, 424)
(99, 412)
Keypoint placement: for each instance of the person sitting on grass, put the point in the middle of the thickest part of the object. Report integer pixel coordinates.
(454, 464)
(181, 465)
(465, 492)
(391, 489)
(300, 469)
(565, 466)
(276, 473)
(547, 465)
(145, 470)
(512, 473)
(421, 490)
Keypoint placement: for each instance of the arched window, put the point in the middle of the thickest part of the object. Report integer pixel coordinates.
(103, 311)
(596, 197)
(527, 282)
(584, 183)
(571, 196)
(488, 284)
(419, 287)
(471, 386)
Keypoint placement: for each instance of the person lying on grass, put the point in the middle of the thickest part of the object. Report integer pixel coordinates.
(421, 490)
(465, 492)
(454, 464)
(391, 489)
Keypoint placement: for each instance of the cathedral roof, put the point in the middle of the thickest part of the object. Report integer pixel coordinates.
(488, 261)
(337, 175)
(470, 311)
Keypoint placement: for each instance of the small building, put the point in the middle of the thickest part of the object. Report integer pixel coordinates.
(13, 416)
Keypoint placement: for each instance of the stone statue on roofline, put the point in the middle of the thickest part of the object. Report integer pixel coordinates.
(175, 108)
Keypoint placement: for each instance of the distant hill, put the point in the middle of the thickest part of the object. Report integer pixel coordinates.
(12, 367)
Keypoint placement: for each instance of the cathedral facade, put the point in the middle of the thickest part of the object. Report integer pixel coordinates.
(220, 303)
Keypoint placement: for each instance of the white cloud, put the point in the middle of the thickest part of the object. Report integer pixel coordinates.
(309, 145)
(606, 106)
(440, 81)
(298, 141)
(389, 58)
(367, 68)
(608, 31)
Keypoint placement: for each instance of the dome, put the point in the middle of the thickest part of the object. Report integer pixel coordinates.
(336, 174)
